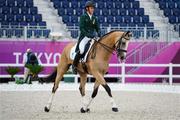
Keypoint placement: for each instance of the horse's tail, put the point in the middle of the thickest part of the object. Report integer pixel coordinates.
(51, 77)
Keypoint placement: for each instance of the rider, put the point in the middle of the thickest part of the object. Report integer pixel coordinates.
(88, 26)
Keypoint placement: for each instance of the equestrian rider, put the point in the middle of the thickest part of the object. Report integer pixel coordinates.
(88, 28)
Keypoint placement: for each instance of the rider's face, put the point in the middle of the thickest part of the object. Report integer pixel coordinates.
(90, 10)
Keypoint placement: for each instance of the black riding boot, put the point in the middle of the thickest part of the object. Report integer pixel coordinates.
(75, 62)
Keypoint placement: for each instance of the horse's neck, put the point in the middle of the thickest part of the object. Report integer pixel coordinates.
(104, 54)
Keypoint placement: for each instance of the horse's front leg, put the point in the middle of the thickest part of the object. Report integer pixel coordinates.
(99, 77)
(83, 80)
(95, 91)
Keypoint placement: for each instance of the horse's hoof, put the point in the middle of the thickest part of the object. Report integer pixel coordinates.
(84, 111)
(88, 110)
(46, 109)
(115, 109)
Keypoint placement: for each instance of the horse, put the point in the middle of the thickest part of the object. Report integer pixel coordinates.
(97, 65)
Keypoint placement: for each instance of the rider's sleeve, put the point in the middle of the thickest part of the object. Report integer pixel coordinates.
(97, 27)
(82, 26)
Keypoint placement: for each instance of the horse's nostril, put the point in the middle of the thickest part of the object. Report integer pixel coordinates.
(122, 57)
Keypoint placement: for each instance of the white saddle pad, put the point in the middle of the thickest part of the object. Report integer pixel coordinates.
(73, 53)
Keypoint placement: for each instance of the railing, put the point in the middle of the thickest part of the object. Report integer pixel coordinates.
(24, 32)
(143, 33)
(123, 74)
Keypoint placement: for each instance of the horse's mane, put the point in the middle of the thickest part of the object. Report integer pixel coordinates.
(107, 34)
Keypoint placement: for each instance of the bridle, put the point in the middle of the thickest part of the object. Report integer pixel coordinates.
(117, 46)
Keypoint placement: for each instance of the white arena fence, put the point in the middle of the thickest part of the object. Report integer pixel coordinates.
(123, 74)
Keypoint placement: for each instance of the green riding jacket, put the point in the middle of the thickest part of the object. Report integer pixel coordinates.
(88, 26)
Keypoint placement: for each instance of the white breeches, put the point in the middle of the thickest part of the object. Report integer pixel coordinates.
(83, 43)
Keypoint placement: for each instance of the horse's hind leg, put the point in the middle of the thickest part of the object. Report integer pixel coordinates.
(62, 68)
(83, 80)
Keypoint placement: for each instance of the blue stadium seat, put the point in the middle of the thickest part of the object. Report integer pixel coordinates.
(32, 24)
(118, 5)
(167, 12)
(110, 19)
(127, 5)
(10, 18)
(145, 19)
(70, 11)
(37, 33)
(171, 4)
(79, 11)
(42, 24)
(135, 4)
(74, 19)
(82, 4)
(136, 19)
(97, 12)
(61, 11)
(2, 3)
(176, 11)
(15, 10)
(38, 17)
(162, 5)
(109, 5)
(132, 25)
(5, 10)
(150, 25)
(114, 24)
(123, 25)
(114, 12)
(105, 12)
(57, 4)
(105, 24)
(28, 18)
(141, 25)
(20, 3)
(10, 3)
(29, 3)
(140, 11)
(19, 18)
(65, 4)
(172, 19)
(123, 12)
(24, 10)
(33, 10)
(66, 18)
(4, 24)
(46, 33)
(119, 19)
(101, 5)
(18, 33)
(101, 19)
(22, 24)
(14, 24)
(131, 12)
(29, 33)
(74, 4)
(2, 17)
(127, 19)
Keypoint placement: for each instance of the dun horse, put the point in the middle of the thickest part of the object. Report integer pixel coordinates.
(96, 65)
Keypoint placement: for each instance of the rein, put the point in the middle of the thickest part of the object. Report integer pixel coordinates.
(109, 49)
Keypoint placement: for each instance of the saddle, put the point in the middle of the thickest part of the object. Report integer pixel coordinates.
(84, 56)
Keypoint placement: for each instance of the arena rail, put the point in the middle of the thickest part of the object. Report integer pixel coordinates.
(123, 75)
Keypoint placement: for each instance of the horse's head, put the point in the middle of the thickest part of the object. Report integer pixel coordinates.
(121, 45)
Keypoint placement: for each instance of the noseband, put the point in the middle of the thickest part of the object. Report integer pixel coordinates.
(119, 44)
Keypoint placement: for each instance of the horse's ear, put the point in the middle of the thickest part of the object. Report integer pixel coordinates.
(129, 34)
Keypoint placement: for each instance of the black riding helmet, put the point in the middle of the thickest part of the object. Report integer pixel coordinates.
(89, 4)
